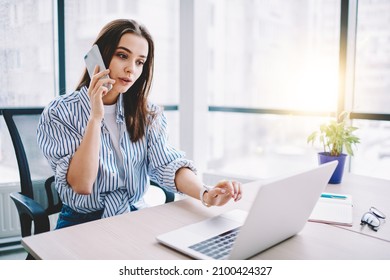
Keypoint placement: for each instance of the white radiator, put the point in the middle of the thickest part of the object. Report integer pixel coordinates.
(9, 217)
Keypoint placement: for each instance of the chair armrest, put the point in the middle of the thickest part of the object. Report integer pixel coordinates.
(169, 196)
(54, 205)
(30, 211)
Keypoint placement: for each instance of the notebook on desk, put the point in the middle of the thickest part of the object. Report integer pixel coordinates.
(331, 208)
(280, 210)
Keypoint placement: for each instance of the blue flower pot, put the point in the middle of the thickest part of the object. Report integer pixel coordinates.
(338, 173)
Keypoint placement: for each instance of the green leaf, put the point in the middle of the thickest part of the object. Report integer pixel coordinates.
(335, 135)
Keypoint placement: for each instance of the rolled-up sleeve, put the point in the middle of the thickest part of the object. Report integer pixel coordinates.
(163, 159)
(58, 141)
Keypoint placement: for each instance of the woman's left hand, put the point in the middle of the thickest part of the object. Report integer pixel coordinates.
(223, 192)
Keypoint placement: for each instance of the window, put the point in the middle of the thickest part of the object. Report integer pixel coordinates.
(82, 25)
(161, 17)
(372, 157)
(27, 72)
(274, 56)
(260, 145)
(27, 66)
(372, 68)
(372, 87)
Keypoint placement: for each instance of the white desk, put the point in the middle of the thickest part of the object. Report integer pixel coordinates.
(132, 235)
(366, 192)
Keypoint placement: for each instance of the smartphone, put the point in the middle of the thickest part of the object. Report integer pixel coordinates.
(93, 58)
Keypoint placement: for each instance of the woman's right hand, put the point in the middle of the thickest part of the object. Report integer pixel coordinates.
(97, 91)
(84, 165)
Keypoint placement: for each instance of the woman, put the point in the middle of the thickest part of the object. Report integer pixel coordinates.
(104, 144)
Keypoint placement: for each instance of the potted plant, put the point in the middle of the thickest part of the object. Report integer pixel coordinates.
(334, 136)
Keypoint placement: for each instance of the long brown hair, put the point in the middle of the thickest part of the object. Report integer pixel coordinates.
(135, 99)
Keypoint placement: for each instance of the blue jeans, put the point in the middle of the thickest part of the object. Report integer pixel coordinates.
(68, 217)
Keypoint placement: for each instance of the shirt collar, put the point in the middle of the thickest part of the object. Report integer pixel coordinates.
(120, 116)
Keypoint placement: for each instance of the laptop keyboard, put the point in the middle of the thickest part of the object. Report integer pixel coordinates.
(217, 247)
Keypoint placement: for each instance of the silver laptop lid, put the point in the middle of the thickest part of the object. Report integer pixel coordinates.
(280, 210)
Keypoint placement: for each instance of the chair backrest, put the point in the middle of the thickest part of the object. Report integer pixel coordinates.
(34, 170)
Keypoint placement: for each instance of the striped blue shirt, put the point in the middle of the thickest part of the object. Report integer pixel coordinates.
(60, 132)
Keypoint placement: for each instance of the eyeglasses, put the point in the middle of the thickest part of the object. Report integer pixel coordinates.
(372, 218)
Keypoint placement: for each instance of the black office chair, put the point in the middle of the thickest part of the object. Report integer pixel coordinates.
(37, 198)
(36, 176)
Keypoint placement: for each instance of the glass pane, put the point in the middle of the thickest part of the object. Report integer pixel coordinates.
(372, 156)
(372, 83)
(27, 72)
(278, 54)
(27, 75)
(261, 146)
(85, 18)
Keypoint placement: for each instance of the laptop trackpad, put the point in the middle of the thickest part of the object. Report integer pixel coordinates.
(205, 229)
(220, 223)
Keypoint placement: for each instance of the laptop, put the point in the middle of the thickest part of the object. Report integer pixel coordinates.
(279, 211)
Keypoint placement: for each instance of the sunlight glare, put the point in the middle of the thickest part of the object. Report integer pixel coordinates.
(316, 87)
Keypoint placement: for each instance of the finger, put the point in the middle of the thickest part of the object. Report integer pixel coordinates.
(238, 195)
(98, 92)
(103, 83)
(93, 81)
(96, 70)
(237, 190)
(107, 81)
(219, 196)
(101, 74)
(235, 187)
(218, 200)
(98, 75)
(217, 191)
(102, 90)
(226, 185)
(232, 187)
